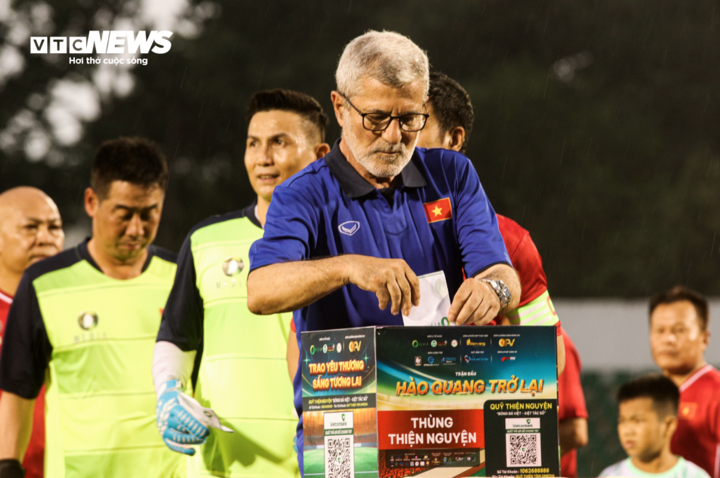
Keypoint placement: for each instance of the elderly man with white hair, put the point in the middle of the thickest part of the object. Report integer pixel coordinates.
(352, 233)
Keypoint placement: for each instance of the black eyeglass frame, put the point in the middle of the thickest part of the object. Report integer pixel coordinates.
(390, 117)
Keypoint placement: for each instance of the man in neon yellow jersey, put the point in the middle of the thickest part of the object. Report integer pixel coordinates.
(84, 321)
(242, 375)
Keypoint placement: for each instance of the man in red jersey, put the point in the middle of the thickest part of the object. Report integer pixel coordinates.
(30, 230)
(572, 412)
(679, 336)
(449, 127)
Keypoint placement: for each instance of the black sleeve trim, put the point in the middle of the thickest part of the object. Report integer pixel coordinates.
(162, 254)
(182, 319)
(26, 348)
(226, 217)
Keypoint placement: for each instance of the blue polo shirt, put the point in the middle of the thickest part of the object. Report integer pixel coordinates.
(328, 209)
(436, 218)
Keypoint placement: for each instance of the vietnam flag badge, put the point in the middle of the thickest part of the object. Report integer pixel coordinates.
(688, 410)
(439, 210)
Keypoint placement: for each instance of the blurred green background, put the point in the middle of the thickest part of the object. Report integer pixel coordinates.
(596, 121)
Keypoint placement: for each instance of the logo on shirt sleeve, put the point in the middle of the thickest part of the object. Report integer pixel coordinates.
(349, 227)
(439, 210)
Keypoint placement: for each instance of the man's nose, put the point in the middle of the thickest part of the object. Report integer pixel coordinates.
(669, 337)
(135, 227)
(393, 133)
(266, 157)
(42, 236)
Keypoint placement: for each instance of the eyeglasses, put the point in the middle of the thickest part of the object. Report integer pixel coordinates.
(410, 122)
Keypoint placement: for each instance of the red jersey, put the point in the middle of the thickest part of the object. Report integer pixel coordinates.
(527, 262)
(35, 454)
(571, 400)
(525, 259)
(697, 438)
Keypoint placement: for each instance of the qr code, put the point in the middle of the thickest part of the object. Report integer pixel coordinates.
(523, 449)
(339, 457)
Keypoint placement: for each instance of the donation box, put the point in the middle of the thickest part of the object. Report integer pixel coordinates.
(430, 401)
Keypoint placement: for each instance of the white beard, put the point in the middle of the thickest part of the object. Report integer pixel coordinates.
(385, 166)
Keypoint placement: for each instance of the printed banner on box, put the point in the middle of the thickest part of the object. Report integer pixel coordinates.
(446, 402)
(339, 400)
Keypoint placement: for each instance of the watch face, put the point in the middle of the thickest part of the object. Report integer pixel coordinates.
(502, 291)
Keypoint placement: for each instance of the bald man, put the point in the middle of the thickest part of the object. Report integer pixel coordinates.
(30, 230)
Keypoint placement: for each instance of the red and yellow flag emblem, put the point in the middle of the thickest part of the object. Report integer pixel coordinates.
(688, 410)
(439, 210)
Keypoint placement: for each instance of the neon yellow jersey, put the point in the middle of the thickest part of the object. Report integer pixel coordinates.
(90, 338)
(243, 374)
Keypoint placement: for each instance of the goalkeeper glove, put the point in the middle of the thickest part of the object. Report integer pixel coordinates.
(181, 420)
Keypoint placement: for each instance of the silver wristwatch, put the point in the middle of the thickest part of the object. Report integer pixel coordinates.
(500, 289)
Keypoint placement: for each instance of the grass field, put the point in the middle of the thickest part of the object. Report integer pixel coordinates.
(365, 462)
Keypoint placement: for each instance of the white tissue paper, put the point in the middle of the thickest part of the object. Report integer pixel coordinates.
(434, 302)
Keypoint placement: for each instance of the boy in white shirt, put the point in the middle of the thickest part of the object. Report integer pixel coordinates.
(646, 423)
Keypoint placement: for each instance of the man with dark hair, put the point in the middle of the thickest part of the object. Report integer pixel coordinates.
(449, 127)
(646, 422)
(679, 336)
(451, 115)
(139, 161)
(30, 231)
(242, 375)
(83, 322)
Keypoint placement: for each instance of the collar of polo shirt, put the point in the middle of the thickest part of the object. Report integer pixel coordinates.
(354, 185)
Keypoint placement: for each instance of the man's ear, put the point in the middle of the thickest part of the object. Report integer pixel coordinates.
(456, 138)
(321, 150)
(338, 103)
(92, 202)
(671, 422)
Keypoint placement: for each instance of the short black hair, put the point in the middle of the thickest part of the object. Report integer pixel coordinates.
(135, 160)
(681, 293)
(451, 105)
(288, 100)
(663, 392)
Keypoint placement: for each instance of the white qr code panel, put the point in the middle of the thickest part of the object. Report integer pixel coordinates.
(339, 457)
(523, 449)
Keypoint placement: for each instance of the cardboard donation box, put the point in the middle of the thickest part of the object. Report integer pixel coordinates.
(430, 401)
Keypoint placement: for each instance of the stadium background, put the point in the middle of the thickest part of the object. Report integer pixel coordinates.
(596, 129)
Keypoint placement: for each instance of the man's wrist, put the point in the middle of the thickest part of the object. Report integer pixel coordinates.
(340, 268)
(485, 283)
(499, 290)
(347, 265)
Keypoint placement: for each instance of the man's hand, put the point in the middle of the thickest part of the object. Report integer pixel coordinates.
(475, 303)
(181, 420)
(391, 280)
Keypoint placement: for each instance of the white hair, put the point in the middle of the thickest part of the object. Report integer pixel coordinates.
(389, 57)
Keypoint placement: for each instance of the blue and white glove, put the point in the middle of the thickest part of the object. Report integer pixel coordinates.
(181, 420)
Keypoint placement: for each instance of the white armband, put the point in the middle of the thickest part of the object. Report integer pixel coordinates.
(169, 363)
